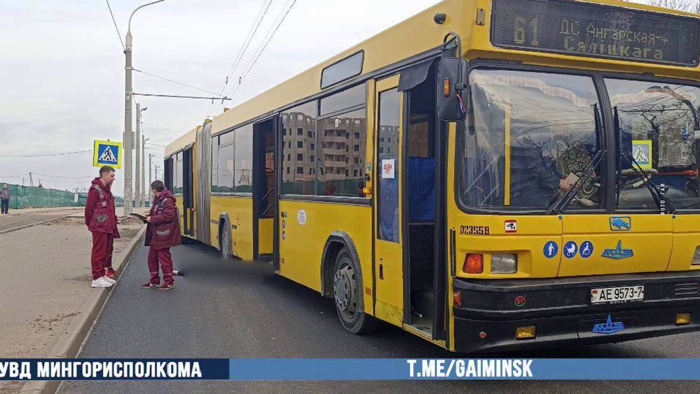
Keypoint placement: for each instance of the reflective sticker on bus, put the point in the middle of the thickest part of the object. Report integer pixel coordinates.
(301, 217)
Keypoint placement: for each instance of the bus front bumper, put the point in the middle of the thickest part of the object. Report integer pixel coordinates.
(561, 311)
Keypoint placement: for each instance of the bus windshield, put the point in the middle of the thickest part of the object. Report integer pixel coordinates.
(529, 137)
(656, 125)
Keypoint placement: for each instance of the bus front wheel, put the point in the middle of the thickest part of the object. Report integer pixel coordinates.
(347, 293)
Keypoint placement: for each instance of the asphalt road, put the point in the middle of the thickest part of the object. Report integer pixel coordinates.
(224, 309)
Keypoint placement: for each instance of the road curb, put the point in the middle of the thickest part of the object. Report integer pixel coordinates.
(70, 342)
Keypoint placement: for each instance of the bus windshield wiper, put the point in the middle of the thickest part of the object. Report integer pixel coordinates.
(562, 202)
(660, 199)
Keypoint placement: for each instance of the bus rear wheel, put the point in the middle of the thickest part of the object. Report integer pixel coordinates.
(347, 293)
(225, 241)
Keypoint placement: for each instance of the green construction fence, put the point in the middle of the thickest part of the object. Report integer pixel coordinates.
(39, 197)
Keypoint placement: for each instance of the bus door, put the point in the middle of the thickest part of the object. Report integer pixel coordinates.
(424, 226)
(188, 193)
(389, 175)
(264, 189)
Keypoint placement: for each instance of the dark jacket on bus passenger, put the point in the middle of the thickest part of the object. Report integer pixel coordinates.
(534, 177)
(164, 229)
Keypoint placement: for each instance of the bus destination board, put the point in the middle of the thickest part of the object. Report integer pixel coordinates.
(594, 30)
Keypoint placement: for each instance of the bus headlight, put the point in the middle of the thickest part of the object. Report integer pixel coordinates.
(696, 257)
(504, 263)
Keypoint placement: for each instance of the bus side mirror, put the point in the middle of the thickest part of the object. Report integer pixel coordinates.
(452, 89)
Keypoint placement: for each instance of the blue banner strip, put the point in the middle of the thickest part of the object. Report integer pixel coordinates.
(350, 369)
(464, 369)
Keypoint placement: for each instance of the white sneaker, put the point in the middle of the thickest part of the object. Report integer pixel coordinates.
(109, 280)
(101, 282)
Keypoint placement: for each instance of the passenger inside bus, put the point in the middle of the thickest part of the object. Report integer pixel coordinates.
(534, 176)
(530, 137)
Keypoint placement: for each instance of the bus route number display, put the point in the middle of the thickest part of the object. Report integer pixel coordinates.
(593, 30)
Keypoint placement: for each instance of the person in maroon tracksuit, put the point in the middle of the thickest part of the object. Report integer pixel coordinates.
(162, 233)
(102, 220)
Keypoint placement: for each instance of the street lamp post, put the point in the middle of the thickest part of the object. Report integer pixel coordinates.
(144, 188)
(128, 133)
(140, 157)
(150, 172)
(127, 128)
(137, 152)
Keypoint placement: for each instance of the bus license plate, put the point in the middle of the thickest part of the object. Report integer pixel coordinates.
(611, 295)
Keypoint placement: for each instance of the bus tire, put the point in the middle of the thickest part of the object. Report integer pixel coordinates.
(346, 293)
(225, 240)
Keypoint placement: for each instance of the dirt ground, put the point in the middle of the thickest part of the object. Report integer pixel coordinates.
(22, 217)
(44, 280)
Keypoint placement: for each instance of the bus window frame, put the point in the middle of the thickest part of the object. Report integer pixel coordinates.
(608, 136)
(380, 73)
(656, 79)
(330, 199)
(342, 81)
(173, 162)
(603, 138)
(217, 138)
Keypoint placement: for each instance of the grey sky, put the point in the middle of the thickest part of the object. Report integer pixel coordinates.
(62, 69)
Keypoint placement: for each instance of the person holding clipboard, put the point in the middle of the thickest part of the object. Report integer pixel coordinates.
(162, 233)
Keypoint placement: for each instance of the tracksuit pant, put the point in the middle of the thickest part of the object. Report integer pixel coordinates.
(102, 248)
(166, 264)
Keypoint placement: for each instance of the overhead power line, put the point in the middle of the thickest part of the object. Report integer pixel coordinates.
(161, 127)
(63, 177)
(179, 96)
(246, 43)
(115, 25)
(270, 39)
(48, 154)
(177, 82)
(263, 45)
(249, 39)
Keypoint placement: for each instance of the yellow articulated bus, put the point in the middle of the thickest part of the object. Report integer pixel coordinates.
(487, 175)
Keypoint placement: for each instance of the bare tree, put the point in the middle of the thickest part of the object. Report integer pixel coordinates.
(681, 5)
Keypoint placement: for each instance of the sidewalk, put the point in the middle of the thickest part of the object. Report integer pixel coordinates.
(44, 281)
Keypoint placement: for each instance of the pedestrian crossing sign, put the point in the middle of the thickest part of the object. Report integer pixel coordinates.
(642, 153)
(107, 153)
